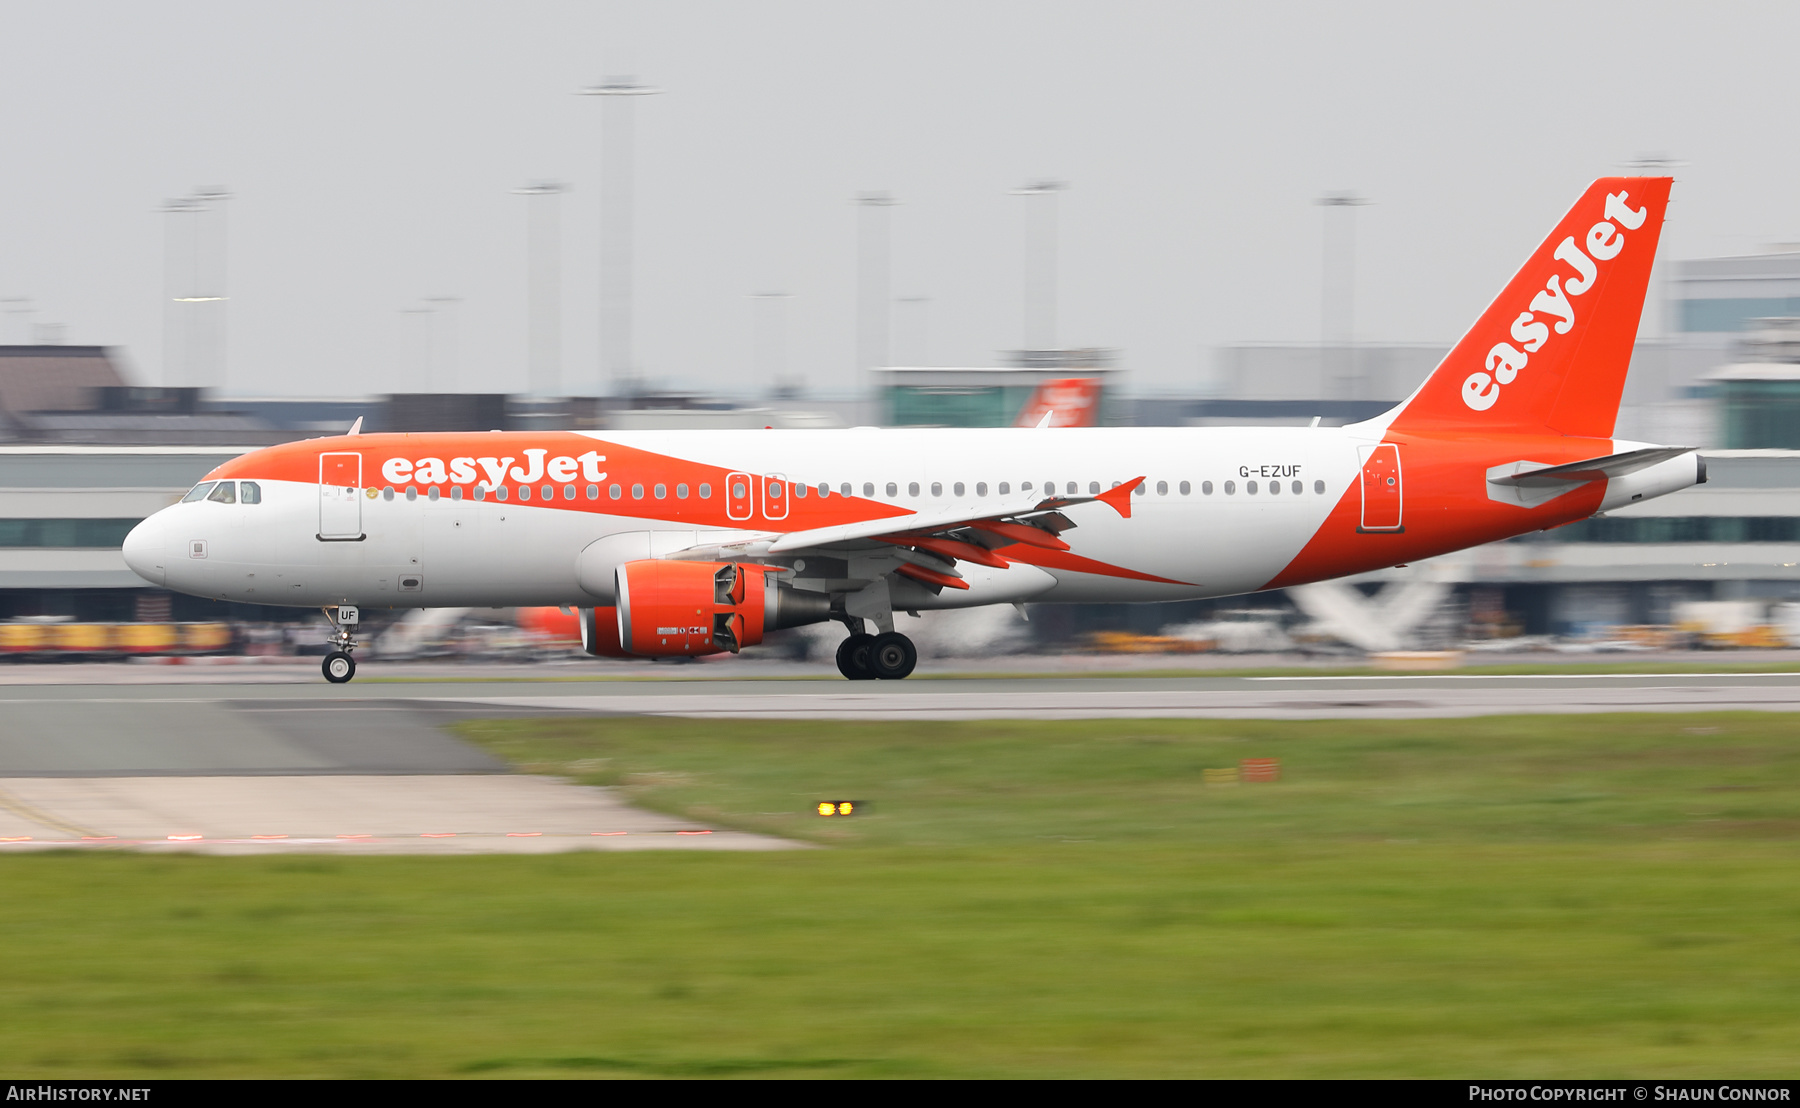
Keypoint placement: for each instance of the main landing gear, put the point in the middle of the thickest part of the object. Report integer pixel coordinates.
(888, 656)
(338, 665)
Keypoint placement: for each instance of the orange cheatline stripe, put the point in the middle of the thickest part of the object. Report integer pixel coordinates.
(1056, 559)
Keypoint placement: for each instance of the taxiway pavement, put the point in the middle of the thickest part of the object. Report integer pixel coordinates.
(254, 766)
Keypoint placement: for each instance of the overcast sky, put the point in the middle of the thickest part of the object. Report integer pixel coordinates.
(372, 148)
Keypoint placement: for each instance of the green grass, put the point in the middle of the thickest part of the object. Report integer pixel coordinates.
(1532, 896)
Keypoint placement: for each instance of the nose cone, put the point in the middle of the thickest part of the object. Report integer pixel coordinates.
(144, 549)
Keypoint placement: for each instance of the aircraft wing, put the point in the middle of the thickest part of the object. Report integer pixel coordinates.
(1592, 469)
(927, 545)
(928, 524)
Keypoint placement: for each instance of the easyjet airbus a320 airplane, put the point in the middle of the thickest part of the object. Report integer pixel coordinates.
(696, 542)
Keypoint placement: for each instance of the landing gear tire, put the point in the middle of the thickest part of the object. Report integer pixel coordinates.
(892, 656)
(854, 657)
(338, 667)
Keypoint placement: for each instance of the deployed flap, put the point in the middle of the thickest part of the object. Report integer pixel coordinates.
(1592, 469)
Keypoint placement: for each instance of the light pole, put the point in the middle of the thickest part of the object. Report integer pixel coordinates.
(915, 349)
(872, 350)
(194, 289)
(543, 285)
(1040, 262)
(1337, 322)
(616, 364)
(769, 343)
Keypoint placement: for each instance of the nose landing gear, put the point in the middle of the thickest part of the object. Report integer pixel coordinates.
(888, 656)
(338, 665)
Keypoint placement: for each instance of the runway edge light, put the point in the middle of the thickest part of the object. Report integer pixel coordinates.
(839, 807)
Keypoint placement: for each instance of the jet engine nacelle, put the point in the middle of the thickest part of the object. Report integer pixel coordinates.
(600, 633)
(668, 609)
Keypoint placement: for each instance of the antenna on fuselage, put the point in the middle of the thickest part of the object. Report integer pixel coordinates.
(355, 428)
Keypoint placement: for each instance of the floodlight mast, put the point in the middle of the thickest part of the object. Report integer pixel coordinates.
(543, 285)
(1337, 298)
(1040, 261)
(872, 273)
(617, 368)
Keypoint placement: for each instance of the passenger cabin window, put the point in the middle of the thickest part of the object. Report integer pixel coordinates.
(198, 492)
(1162, 488)
(1006, 488)
(892, 489)
(980, 489)
(249, 492)
(1186, 488)
(912, 488)
(1093, 487)
(705, 491)
(937, 488)
(957, 488)
(225, 492)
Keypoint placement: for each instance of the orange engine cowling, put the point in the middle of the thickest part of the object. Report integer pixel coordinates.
(600, 632)
(689, 608)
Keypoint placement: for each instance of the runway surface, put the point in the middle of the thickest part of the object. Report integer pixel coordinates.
(243, 765)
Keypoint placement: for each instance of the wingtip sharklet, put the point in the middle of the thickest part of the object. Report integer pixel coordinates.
(1120, 498)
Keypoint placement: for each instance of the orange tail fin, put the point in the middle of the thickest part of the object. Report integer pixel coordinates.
(1070, 401)
(1550, 354)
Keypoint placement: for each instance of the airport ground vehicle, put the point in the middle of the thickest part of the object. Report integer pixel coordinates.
(696, 542)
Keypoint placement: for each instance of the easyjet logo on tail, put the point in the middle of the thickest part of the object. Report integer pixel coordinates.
(1504, 363)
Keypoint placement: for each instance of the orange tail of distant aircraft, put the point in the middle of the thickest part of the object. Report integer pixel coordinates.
(1066, 402)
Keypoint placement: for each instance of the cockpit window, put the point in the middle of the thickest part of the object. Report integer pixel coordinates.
(225, 493)
(249, 492)
(198, 492)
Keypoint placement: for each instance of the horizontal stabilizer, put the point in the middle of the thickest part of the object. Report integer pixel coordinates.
(1592, 469)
